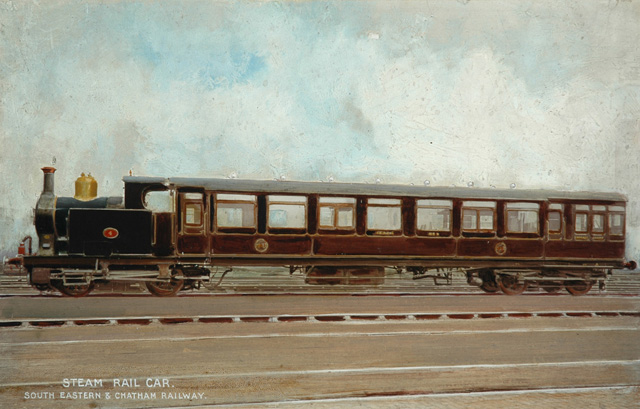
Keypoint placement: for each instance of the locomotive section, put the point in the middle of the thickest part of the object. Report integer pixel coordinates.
(175, 234)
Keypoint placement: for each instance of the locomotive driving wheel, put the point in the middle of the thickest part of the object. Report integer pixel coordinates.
(578, 287)
(42, 287)
(511, 285)
(167, 287)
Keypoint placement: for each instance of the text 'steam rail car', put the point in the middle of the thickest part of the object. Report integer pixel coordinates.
(176, 233)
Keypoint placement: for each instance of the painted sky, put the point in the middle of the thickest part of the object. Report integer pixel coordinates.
(543, 94)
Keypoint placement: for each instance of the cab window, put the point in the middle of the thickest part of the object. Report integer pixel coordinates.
(159, 201)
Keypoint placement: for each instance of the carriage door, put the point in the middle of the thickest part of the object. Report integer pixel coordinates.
(192, 233)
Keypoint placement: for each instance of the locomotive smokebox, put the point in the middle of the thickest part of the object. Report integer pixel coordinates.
(45, 210)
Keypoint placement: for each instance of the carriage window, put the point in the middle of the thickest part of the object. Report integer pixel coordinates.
(555, 222)
(327, 217)
(478, 216)
(593, 219)
(193, 214)
(337, 212)
(434, 215)
(235, 210)
(554, 217)
(522, 217)
(597, 225)
(616, 220)
(581, 222)
(384, 214)
(289, 212)
(159, 201)
(616, 224)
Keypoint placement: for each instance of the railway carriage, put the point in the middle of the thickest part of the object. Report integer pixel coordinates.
(176, 233)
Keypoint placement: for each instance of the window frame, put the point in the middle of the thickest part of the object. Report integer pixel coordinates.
(384, 203)
(337, 204)
(187, 200)
(226, 198)
(591, 211)
(477, 207)
(555, 234)
(435, 204)
(613, 211)
(199, 215)
(597, 235)
(287, 200)
(581, 234)
(514, 207)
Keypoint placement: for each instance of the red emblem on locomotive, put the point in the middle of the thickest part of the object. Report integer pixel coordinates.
(110, 233)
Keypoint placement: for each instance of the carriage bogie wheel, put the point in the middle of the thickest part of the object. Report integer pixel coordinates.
(578, 287)
(489, 283)
(510, 285)
(489, 286)
(77, 290)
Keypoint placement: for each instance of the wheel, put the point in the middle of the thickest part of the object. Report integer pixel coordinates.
(42, 287)
(165, 288)
(510, 285)
(489, 286)
(578, 287)
(75, 290)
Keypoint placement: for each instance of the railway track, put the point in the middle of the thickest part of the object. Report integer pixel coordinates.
(381, 318)
(278, 281)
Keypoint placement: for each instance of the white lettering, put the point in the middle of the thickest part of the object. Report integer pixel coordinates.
(180, 395)
(82, 383)
(157, 383)
(126, 382)
(135, 395)
(39, 395)
(80, 395)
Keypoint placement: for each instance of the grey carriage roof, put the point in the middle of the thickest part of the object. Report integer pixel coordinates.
(333, 188)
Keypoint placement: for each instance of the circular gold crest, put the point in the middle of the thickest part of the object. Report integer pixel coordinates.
(261, 245)
(501, 249)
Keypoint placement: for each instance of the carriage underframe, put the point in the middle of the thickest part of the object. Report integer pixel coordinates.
(77, 276)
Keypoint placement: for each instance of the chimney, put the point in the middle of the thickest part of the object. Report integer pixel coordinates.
(48, 180)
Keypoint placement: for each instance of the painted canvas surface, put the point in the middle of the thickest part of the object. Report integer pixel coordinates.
(475, 94)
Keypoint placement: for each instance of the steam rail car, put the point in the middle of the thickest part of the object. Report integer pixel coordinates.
(176, 233)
